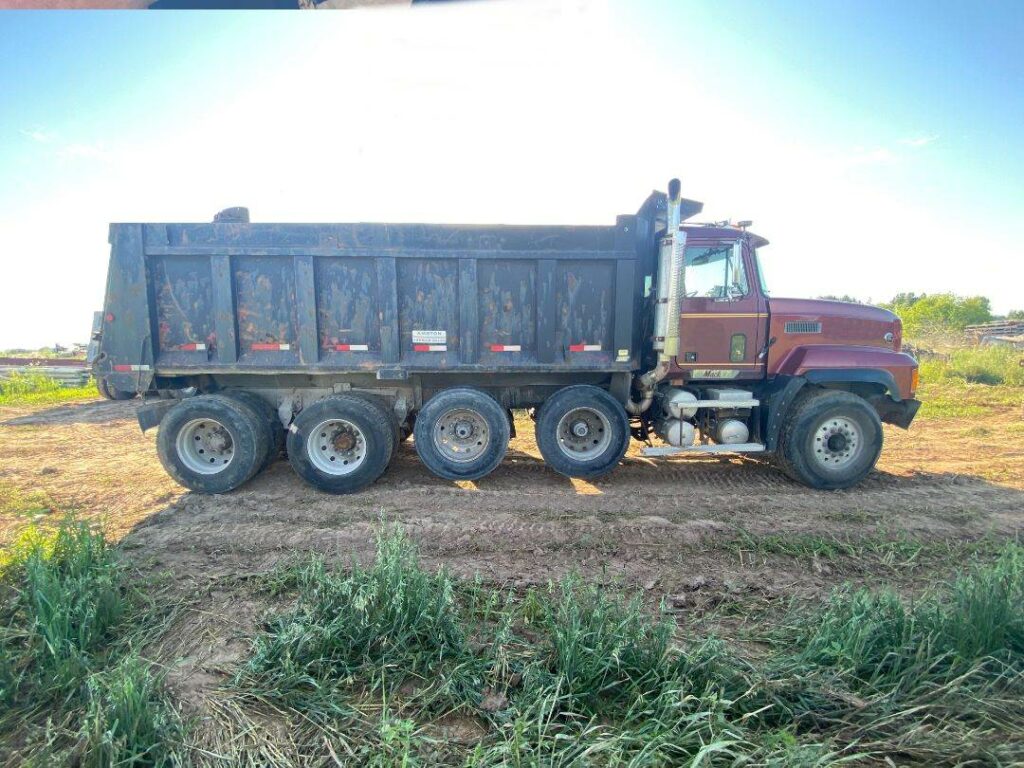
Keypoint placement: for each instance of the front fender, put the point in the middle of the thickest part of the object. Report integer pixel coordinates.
(835, 363)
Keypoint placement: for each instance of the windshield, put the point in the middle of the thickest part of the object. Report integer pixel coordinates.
(759, 265)
(715, 272)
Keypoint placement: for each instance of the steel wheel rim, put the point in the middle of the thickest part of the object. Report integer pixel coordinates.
(336, 447)
(837, 443)
(584, 434)
(205, 446)
(461, 435)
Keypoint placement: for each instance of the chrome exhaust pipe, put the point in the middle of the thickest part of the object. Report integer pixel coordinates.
(666, 308)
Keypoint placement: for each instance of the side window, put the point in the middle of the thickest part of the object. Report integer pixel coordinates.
(715, 272)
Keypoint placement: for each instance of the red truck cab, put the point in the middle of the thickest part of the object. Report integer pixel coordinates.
(807, 380)
(732, 330)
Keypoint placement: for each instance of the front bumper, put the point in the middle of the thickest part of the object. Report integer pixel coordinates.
(900, 413)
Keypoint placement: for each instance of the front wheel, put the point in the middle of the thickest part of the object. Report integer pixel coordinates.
(582, 431)
(830, 439)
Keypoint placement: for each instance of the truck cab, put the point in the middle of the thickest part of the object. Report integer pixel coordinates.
(730, 329)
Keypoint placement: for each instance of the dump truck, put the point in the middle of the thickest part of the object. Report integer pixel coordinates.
(331, 343)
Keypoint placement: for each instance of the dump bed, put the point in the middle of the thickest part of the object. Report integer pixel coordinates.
(184, 299)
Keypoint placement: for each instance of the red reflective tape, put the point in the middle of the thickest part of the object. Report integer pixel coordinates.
(506, 348)
(429, 347)
(584, 347)
(270, 347)
(130, 368)
(192, 347)
(351, 348)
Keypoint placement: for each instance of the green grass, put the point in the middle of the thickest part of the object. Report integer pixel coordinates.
(36, 389)
(572, 675)
(368, 665)
(977, 365)
(14, 502)
(380, 626)
(71, 688)
(879, 550)
(968, 382)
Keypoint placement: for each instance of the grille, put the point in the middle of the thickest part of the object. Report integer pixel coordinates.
(802, 326)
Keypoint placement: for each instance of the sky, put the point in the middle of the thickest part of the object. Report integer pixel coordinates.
(877, 145)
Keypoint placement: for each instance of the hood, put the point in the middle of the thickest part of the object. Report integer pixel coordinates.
(805, 322)
(828, 308)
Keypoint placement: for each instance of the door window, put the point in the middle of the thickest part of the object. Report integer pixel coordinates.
(715, 272)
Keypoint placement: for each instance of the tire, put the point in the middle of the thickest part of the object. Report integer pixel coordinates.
(588, 455)
(268, 421)
(387, 415)
(177, 394)
(357, 423)
(829, 440)
(461, 434)
(113, 393)
(196, 429)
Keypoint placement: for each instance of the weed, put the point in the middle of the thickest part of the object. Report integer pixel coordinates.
(941, 679)
(36, 389)
(64, 606)
(127, 720)
(390, 622)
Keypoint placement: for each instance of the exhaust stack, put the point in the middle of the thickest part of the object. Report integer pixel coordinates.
(666, 308)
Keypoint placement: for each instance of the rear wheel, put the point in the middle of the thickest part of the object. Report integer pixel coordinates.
(461, 434)
(210, 444)
(582, 431)
(112, 393)
(340, 444)
(830, 440)
(268, 421)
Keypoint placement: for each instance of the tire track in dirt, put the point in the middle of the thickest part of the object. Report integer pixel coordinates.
(522, 521)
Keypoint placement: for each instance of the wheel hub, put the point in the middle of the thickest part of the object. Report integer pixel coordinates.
(584, 434)
(837, 442)
(205, 446)
(336, 447)
(344, 441)
(461, 435)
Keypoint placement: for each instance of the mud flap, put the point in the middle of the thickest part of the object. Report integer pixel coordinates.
(899, 413)
(151, 414)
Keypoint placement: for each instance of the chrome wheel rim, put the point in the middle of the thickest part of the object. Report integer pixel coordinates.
(837, 442)
(336, 447)
(205, 446)
(461, 435)
(584, 434)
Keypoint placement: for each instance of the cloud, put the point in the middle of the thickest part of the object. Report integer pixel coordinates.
(39, 135)
(919, 141)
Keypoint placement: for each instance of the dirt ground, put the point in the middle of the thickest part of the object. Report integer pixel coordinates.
(523, 522)
(701, 532)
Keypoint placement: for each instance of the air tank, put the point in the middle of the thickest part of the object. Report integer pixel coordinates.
(731, 432)
(675, 432)
(676, 403)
